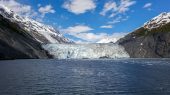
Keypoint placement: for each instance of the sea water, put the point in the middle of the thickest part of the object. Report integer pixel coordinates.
(85, 77)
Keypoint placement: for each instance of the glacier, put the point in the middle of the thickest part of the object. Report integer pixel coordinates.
(86, 51)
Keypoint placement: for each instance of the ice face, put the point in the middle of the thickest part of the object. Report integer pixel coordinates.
(89, 51)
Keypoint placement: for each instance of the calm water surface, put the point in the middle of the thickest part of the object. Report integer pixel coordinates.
(85, 77)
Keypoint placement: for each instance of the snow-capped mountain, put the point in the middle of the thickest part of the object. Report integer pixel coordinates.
(113, 38)
(42, 33)
(158, 21)
(22, 38)
(151, 40)
(108, 40)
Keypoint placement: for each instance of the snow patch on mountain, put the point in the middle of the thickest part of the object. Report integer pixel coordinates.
(82, 51)
(158, 21)
(42, 33)
(108, 40)
(113, 38)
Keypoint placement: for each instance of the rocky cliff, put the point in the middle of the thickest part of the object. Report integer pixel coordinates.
(21, 37)
(152, 40)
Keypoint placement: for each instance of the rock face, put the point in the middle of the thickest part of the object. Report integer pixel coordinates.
(42, 33)
(21, 38)
(151, 40)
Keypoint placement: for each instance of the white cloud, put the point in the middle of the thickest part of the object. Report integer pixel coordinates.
(126, 18)
(90, 37)
(85, 34)
(100, 38)
(112, 38)
(124, 5)
(26, 10)
(107, 40)
(106, 26)
(108, 7)
(46, 9)
(117, 8)
(116, 20)
(21, 9)
(77, 29)
(147, 6)
(79, 6)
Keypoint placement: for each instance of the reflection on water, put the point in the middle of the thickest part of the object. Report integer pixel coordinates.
(85, 77)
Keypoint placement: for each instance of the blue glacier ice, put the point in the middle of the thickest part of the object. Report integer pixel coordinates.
(83, 51)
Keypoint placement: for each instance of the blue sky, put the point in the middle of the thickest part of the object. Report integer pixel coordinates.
(91, 20)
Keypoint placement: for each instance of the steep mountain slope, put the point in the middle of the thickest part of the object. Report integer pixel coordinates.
(152, 40)
(42, 33)
(22, 37)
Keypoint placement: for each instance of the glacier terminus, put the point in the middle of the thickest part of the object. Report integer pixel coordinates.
(86, 51)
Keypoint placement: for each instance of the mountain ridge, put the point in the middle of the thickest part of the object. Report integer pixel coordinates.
(22, 38)
(158, 21)
(150, 40)
(36, 29)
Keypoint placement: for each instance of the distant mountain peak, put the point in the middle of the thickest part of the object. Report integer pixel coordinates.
(158, 21)
(108, 40)
(41, 32)
(4, 9)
